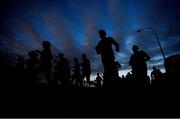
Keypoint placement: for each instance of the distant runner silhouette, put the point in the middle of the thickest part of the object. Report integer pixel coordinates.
(138, 64)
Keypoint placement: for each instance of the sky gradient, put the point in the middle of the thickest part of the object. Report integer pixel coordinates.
(71, 26)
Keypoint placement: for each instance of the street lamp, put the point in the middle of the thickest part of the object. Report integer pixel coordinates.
(156, 38)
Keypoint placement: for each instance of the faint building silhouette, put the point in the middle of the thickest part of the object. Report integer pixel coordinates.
(172, 65)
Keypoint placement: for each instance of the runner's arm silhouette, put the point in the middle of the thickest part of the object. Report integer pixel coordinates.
(115, 44)
(147, 57)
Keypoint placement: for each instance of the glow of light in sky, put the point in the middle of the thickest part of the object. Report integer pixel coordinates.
(71, 26)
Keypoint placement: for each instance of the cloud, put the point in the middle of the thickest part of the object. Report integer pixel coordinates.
(71, 26)
(29, 30)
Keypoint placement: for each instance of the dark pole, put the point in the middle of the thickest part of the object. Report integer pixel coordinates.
(157, 40)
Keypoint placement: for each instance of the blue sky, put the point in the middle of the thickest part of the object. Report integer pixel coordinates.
(71, 26)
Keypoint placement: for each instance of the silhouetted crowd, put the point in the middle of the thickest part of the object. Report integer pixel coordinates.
(41, 69)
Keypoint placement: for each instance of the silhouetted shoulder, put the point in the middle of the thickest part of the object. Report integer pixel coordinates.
(142, 52)
(110, 38)
(145, 54)
(113, 42)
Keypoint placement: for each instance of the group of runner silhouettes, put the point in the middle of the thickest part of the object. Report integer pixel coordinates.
(65, 75)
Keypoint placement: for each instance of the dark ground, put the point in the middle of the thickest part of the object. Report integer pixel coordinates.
(87, 102)
(120, 101)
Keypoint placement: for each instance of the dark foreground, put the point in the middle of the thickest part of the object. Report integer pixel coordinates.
(90, 102)
(123, 99)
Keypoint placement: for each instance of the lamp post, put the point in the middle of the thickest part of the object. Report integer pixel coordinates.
(156, 38)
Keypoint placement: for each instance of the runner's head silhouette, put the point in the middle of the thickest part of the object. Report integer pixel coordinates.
(46, 44)
(84, 56)
(102, 33)
(135, 48)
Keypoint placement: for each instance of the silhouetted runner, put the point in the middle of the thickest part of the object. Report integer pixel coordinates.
(20, 74)
(32, 67)
(86, 68)
(156, 74)
(138, 64)
(98, 80)
(104, 48)
(63, 73)
(76, 75)
(46, 60)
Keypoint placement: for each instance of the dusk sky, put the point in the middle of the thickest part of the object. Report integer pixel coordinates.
(71, 26)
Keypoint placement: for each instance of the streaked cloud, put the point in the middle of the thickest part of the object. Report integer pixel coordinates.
(71, 26)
